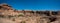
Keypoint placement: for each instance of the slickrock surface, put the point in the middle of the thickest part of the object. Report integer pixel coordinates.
(10, 15)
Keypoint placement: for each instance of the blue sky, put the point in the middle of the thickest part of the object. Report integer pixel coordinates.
(33, 4)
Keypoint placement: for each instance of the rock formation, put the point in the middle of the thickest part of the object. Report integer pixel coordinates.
(10, 15)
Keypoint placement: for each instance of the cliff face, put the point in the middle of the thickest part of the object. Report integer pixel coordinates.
(7, 10)
(9, 15)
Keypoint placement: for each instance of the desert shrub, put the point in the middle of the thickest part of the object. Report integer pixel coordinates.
(1, 16)
(10, 16)
(20, 15)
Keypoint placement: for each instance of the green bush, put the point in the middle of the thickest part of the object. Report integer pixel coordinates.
(20, 15)
(10, 16)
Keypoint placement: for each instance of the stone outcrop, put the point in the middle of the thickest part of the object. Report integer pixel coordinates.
(10, 15)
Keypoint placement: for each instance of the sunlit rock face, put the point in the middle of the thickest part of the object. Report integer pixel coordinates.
(7, 10)
(10, 15)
